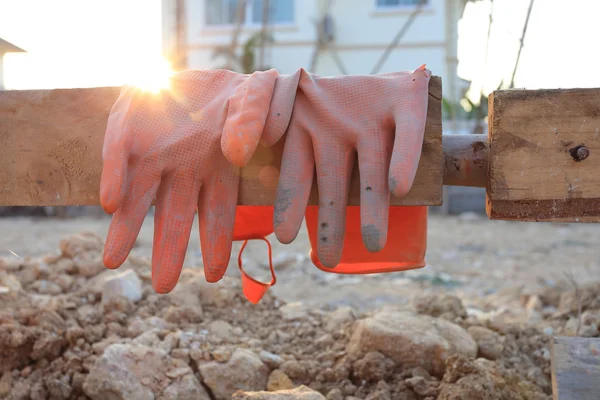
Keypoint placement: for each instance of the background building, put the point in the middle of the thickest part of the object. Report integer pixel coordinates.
(325, 37)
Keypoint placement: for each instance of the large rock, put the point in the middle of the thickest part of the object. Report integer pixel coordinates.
(299, 393)
(132, 371)
(411, 340)
(243, 371)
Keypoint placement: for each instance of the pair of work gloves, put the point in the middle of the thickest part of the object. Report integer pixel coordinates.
(184, 148)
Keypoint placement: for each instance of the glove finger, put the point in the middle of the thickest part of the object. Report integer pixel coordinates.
(334, 170)
(282, 106)
(115, 152)
(373, 162)
(248, 110)
(216, 215)
(410, 129)
(294, 186)
(176, 202)
(127, 220)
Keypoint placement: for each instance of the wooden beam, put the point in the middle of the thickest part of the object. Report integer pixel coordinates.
(51, 144)
(575, 363)
(544, 162)
(465, 160)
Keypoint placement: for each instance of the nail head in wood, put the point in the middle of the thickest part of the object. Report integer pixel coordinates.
(579, 153)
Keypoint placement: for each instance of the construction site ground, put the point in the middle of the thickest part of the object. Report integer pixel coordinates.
(474, 323)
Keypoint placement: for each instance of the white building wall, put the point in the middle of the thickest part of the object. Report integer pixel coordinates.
(362, 34)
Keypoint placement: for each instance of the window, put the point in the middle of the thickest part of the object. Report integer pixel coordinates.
(223, 12)
(399, 3)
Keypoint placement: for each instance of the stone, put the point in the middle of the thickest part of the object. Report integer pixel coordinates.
(186, 388)
(271, 360)
(46, 287)
(584, 330)
(139, 326)
(63, 266)
(148, 338)
(443, 306)
(16, 345)
(184, 314)
(490, 343)
(89, 267)
(88, 315)
(221, 330)
(81, 243)
(192, 282)
(221, 354)
(374, 366)
(6, 383)
(133, 371)
(279, 381)
(64, 281)
(411, 340)
(422, 387)
(244, 371)
(299, 393)
(468, 379)
(126, 284)
(335, 394)
(292, 311)
(534, 303)
(295, 370)
(591, 317)
(11, 282)
(341, 318)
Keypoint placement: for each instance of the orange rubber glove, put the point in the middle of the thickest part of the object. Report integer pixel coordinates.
(380, 117)
(182, 147)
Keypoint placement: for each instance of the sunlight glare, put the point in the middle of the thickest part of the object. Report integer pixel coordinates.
(154, 76)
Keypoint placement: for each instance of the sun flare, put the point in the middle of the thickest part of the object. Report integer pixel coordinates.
(154, 76)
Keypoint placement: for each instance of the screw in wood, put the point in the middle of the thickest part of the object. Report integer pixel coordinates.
(579, 153)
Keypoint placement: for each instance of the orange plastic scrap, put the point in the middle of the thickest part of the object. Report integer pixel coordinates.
(253, 223)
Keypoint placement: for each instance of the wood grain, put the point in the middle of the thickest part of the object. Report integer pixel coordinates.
(575, 363)
(51, 145)
(533, 175)
(466, 160)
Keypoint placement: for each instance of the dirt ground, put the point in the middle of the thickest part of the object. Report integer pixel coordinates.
(475, 323)
(467, 255)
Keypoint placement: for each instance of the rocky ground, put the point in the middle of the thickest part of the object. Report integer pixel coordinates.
(474, 324)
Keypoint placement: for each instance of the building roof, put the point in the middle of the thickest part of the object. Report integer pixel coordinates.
(7, 47)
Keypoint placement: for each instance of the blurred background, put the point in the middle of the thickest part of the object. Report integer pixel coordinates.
(475, 46)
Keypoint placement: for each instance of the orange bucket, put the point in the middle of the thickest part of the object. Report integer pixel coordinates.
(404, 250)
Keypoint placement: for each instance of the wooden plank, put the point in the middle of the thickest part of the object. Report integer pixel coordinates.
(575, 368)
(544, 162)
(51, 144)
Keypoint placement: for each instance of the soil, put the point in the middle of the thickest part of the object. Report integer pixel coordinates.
(498, 291)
